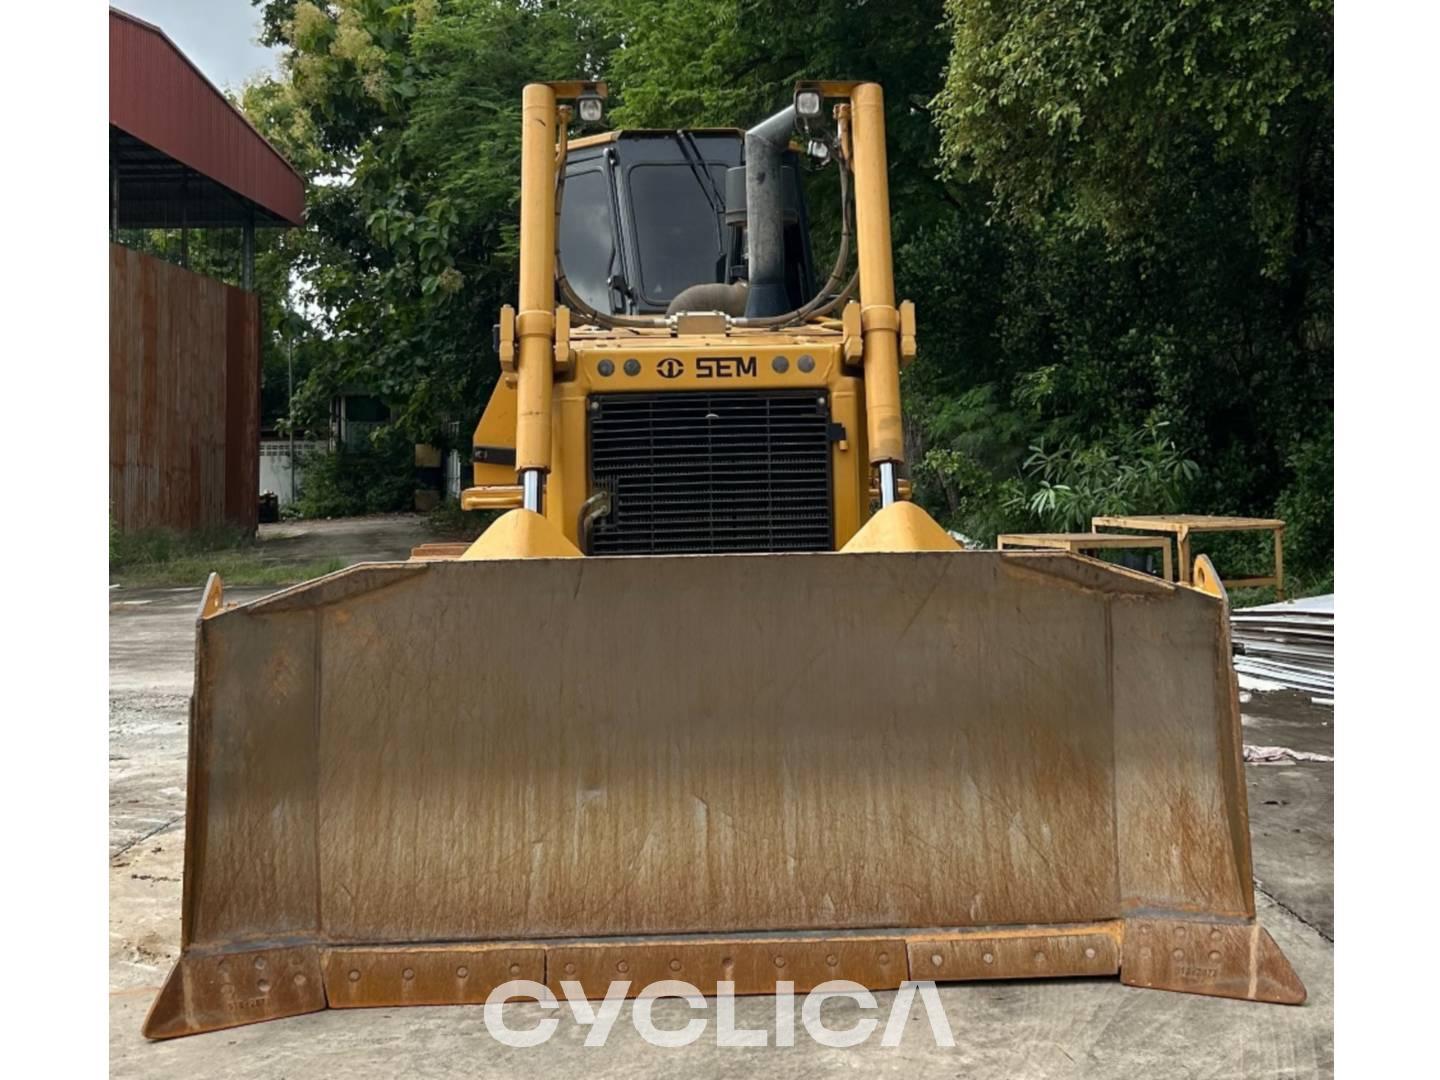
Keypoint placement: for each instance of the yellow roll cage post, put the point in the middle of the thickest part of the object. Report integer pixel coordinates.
(879, 319)
(541, 328)
(535, 325)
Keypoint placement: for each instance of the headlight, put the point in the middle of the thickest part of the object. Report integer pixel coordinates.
(591, 108)
(807, 103)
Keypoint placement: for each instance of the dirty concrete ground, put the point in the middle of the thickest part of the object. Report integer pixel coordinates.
(1039, 1028)
(151, 656)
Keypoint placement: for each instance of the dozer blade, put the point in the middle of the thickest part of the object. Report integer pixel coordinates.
(412, 782)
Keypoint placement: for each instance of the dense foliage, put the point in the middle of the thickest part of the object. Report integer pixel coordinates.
(1115, 217)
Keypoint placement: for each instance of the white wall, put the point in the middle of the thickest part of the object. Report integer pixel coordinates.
(275, 465)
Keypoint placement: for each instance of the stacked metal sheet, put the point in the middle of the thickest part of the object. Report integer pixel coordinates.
(1286, 646)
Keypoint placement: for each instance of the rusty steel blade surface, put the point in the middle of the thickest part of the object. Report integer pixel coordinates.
(510, 751)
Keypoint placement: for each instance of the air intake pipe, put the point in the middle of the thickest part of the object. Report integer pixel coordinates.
(765, 146)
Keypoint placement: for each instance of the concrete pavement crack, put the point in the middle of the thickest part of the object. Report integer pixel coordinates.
(141, 839)
(1292, 912)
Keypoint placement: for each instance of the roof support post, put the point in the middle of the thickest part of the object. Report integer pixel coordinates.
(184, 226)
(114, 202)
(247, 255)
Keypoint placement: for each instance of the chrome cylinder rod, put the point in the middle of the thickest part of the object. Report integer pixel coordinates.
(889, 490)
(532, 490)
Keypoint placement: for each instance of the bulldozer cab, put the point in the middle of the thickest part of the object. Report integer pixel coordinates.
(707, 395)
(713, 700)
(647, 214)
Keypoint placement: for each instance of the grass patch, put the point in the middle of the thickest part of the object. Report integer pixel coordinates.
(161, 557)
(233, 568)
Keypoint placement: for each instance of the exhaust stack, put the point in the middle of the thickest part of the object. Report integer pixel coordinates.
(765, 146)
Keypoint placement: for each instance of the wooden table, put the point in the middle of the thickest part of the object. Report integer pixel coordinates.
(1181, 526)
(1091, 541)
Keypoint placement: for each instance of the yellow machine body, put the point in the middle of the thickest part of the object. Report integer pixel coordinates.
(410, 783)
(742, 360)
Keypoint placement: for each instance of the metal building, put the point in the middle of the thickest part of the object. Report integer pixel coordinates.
(184, 346)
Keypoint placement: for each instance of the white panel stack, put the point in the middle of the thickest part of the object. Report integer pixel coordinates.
(1287, 646)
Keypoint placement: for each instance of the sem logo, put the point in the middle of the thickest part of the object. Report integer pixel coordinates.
(724, 367)
(671, 367)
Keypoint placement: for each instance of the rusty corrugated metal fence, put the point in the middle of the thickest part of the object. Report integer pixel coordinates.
(184, 397)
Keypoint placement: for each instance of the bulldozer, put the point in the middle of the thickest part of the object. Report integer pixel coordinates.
(712, 699)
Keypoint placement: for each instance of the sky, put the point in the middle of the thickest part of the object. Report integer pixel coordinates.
(218, 35)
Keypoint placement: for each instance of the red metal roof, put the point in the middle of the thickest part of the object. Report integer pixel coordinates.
(158, 96)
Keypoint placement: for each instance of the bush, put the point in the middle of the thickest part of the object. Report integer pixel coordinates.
(377, 479)
(1139, 472)
(1307, 506)
(963, 495)
(966, 448)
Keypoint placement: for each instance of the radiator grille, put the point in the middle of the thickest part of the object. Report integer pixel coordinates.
(692, 472)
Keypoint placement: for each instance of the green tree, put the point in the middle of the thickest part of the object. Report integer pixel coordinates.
(1160, 175)
(405, 119)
